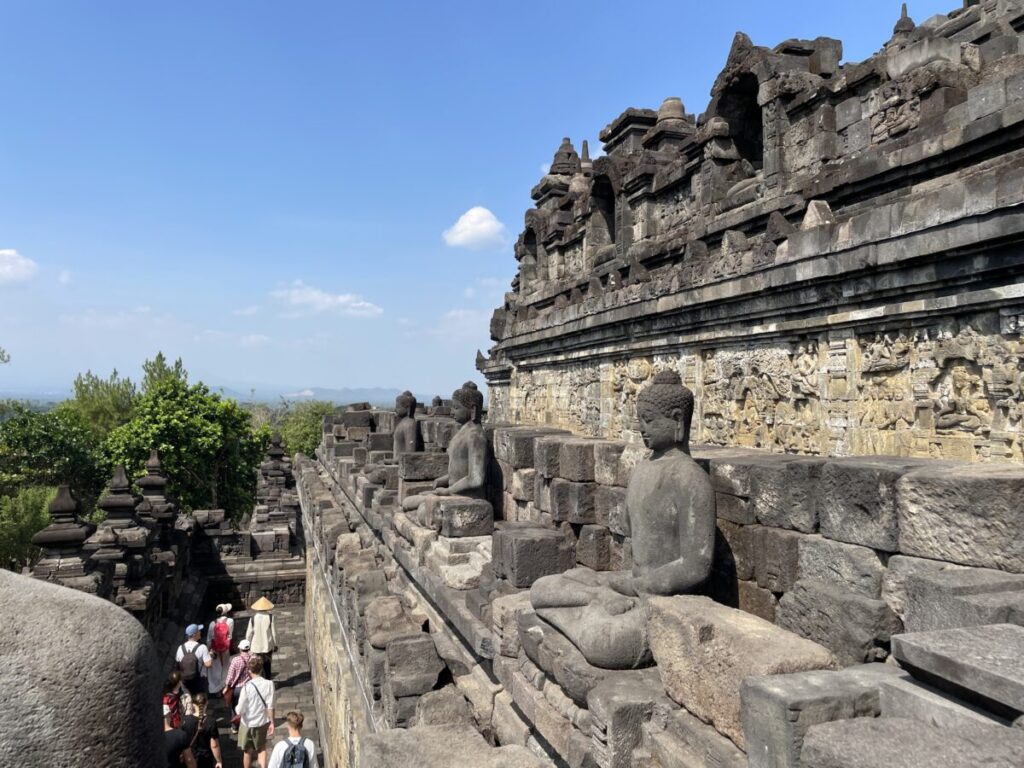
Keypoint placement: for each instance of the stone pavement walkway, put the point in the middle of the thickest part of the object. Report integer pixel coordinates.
(293, 686)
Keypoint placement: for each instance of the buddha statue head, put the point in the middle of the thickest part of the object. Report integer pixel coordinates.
(665, 409)
(467, 403)
(405, 405)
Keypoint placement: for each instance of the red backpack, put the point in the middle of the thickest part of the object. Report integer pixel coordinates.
(221, 636)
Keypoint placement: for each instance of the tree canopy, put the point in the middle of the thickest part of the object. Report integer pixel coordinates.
(207, 446)
(300, 425)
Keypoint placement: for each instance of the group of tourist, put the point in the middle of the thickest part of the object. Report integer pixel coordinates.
(237, 673)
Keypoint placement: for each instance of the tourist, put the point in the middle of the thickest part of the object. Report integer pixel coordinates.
(193, 660)
(176, 746)
(295, 751)
(176, 698)
(203, 736)
(238, 675)
(218, 640)
(220, 633)
(256, 709)
(261, 633)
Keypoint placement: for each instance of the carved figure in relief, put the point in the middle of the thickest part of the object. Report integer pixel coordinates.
(805, 366)
(965, 408)
(883, 354)
(670, 516)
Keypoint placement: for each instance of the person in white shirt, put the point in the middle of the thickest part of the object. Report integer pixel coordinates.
(194, 660)
(256, 708)
(295, 739)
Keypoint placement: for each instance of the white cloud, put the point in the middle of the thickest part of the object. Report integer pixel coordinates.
(247, 311)
(255, 340)
(303, 393)
(476, 228)
(15, 268)
(64, 277)
(305, 299)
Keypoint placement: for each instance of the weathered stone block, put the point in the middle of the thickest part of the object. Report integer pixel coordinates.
(619, 708)
(869, 742)
(461, 516)
(610, 507)
(686, 742)
(858, 500)
(504, 614)
(734, 549)
(407, 488)
(576, 460)
(778, 710)
(784, 493)
(593, 547)
(573, 502)
(514, 445)
(422, 466)
(524, 484)
(546, 452)
(704, 651)
(854, 627)
(858, 569)
(936, 506)
(753, 599)
(985, 660)
(608, 466)
(412, 665)
(736, 509)
(962, 597)
(380, 441)
(776, 558)
(355, 419)
(525, 552)
(902, 696)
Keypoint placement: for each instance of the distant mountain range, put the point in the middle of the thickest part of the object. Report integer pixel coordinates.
(373, 395)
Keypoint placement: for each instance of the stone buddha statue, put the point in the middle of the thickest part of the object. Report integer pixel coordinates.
(670, 518)
(407, 435)
(467, 452)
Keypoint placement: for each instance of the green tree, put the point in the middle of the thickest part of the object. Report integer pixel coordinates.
(207, 446)
(48, 449)
(21, 517)
(157, 370)
(104, 403)
(300, 425)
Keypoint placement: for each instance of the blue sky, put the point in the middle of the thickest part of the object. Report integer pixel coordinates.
(264, 188)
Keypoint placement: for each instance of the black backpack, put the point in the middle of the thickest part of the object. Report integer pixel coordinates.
(189, 664)
(296, 755)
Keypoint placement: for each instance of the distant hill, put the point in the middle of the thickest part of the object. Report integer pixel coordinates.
(382, 396)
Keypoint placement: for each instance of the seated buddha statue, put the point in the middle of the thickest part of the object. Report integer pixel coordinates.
(408, 437)
(670, 518)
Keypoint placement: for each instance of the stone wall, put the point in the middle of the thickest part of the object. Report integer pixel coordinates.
(829, 256)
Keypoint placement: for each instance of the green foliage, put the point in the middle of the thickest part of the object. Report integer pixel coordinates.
(206, 443)
(157, 370)
(105, 404)
(21, 517)
(300, 425)
(4, 357)
(48, 449)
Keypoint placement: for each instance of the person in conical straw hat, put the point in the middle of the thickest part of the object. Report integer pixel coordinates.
(261, 634)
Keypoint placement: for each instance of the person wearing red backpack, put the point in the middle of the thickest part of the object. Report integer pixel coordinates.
(218, 636)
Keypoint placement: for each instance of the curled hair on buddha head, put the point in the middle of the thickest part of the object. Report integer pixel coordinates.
(470, 397)
(666, 392)
(405, 403)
